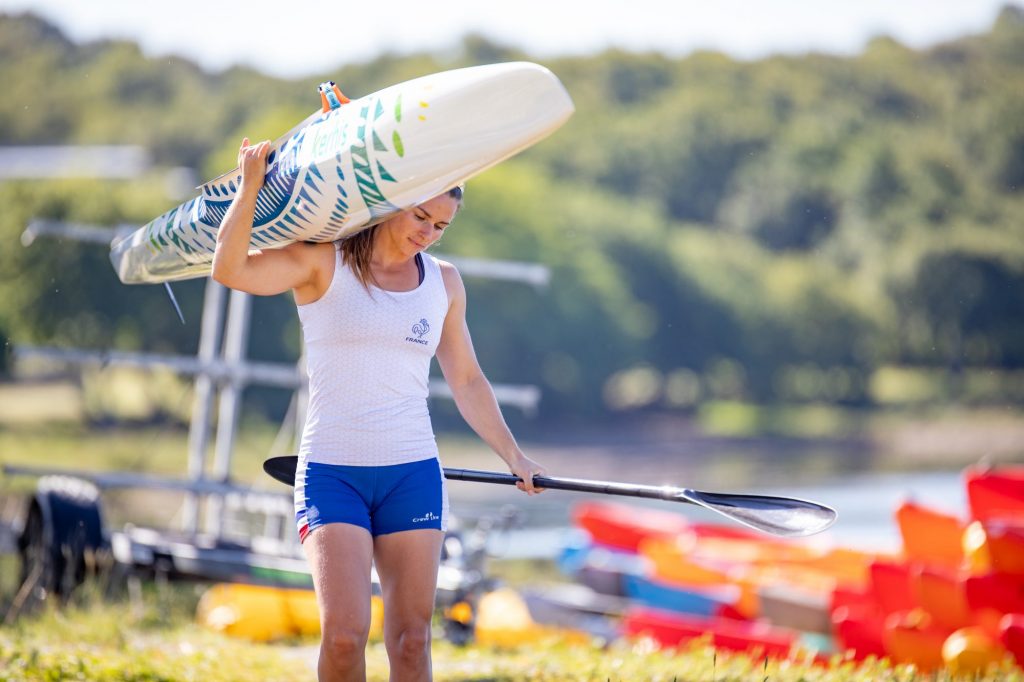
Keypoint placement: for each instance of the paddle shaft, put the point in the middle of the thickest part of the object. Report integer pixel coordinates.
(576, 484)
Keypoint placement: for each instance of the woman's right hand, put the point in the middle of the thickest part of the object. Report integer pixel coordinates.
(252, 160)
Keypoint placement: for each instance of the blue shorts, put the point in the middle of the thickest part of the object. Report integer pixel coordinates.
(384, 499)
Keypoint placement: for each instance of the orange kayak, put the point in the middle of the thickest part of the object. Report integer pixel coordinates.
(912, 637)
(671, 564)
(930, 536)
(995, 546)
(940, 592)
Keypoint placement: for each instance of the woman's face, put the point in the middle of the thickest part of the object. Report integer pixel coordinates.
(414, 230)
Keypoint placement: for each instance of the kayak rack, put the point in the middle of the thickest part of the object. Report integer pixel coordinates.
(227, 531)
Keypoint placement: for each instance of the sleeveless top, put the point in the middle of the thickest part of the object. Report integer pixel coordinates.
(368, 358)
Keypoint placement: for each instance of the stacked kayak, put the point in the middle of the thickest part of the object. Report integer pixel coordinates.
(685, 581)
(954, 598)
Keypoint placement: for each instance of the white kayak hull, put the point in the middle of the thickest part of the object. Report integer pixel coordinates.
(341, 171)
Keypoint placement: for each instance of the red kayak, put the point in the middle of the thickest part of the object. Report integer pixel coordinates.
(993, 595)
(1011, 634)
(859, 629)
(995, 493)
(675, 630)
(892, 587)
(624, 527)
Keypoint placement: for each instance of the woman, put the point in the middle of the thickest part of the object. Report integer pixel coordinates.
(369, 486)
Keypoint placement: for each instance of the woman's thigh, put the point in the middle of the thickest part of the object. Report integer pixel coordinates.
(339, 557)
(407, 565)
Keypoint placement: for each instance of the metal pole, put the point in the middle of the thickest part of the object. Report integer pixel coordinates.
(236, 338)
(202, 404)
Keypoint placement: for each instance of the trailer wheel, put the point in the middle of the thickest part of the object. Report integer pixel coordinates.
(62, 539)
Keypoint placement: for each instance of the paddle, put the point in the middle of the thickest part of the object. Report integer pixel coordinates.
(785, 516)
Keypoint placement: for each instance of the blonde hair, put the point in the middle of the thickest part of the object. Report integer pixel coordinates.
(357, 250)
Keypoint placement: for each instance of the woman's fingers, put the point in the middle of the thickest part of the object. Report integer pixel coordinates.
(251, 151)
(526, 485)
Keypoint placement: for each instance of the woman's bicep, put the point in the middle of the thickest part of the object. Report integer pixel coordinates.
(274, 271)
(455, 353)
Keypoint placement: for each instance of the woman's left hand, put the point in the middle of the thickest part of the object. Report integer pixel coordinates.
(525, 468)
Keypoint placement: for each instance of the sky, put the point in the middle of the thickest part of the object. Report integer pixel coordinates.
(314, 38)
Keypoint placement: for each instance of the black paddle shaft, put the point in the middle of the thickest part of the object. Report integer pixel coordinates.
(785, 516)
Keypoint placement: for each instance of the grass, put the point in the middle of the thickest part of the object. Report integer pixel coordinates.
(152, 639)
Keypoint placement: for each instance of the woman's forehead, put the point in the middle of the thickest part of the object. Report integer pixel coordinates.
(441, 208)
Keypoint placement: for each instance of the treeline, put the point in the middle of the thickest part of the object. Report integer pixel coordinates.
(792, 229)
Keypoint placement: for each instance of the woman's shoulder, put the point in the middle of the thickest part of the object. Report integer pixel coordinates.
(448, 270)
(452, 279)
(318, 261)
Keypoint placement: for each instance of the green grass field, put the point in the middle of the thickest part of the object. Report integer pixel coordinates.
(152, 638)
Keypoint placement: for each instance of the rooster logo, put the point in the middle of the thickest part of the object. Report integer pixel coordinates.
(421, 328)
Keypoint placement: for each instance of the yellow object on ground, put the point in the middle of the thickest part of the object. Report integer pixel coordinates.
(503, 620)
(971, 650)
(261, 613)
(251, 612)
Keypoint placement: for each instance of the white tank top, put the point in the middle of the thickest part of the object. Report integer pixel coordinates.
(368, 357)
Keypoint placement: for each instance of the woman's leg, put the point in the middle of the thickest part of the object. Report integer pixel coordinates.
(407, 564)
(339, 557)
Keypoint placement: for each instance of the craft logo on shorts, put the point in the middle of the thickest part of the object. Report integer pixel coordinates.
(429, 516)
(419, 329)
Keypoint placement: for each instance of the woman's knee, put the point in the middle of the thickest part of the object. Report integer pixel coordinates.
(411, 643)
(343, 644)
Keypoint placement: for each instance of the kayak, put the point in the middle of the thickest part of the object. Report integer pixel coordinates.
(970, 651)
(602, 569)
(356, 163)
(993, 595)
(698, 601)
(995, 493)
(1011, 635)
(796, 609)
(675, 567)
(623, 527)
(930, 536)
(940, 592)
(263, 613)
(891, 586)
(995, 546)
(913, 637)
(858, 629)
(678, 630)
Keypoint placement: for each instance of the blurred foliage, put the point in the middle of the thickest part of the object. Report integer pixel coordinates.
(792, 229)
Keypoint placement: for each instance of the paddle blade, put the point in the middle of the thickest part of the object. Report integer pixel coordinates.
(786, 516)
(281, 468)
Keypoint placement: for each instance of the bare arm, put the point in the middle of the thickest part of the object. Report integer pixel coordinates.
(472, 392)
(263, 273)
